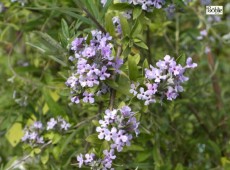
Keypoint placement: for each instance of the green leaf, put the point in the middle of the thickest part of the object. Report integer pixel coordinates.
(120, 7)
(144, 66)
(133, 148)
(95, 123)
(137, 12)
(37, 150)
(107, 5)
(132, 66)
(142, 45)
(181, 59)
(50, 40)
(124, 26)
(112, 84)
(142, 156)
(94, 139)
(136, 30)
(109, 24)
(65, 28)
(179, 167)
(93, 8)
(53, 105)
(56, 138)
(68, 140)
(45, 157)
(157, 157)
(137, 58)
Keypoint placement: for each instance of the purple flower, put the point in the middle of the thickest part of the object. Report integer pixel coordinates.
(152, 88)
(205, 2)
(171, 93)
(133, 89)
(110, 114)
(89, 52)
(37, 125)
(190, 64)
(51, 124)
(103, 2)
(40, 140)
(33, 135)
(80, 160)
(142, 95)
(126, 111)
(120, 137)
(88, 97)
(203, 33)
(89, 158)
(76, 43)
(176, 69)
(26, 136)
(111, 134)
(158, 3)
(75, 99)
(65, 125)
(103, 75)
(102, 132)
(104, 123)
(117, 65)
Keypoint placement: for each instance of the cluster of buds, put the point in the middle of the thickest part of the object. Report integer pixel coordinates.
(164, 80)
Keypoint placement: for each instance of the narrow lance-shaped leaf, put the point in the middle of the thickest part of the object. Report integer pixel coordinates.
(65, 29)
(133, 70)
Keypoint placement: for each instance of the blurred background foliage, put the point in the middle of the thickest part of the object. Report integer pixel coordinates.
(190, 133)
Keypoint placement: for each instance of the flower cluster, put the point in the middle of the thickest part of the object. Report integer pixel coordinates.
(146, 4)
(164, 80)
(33, 134)
(94, 63)
(117, 128)
(57, 124)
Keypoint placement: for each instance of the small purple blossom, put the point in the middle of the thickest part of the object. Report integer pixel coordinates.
(88, 97)
(51, 124)
(80, 160)
(37, 125)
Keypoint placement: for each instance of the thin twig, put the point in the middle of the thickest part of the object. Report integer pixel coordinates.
(196, 114)
(215, 84)
(94, 20)
(27, 157)
(85, 121)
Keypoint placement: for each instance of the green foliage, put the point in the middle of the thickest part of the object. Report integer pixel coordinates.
(190, 133)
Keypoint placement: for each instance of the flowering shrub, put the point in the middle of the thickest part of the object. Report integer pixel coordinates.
(142, 84)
